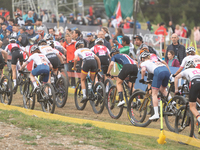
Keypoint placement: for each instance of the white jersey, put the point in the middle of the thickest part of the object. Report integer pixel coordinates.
(45, 49)
(38, 59)
(195, 58)
(84, 53)
(56, 43)
(151, 65)
(191, 73)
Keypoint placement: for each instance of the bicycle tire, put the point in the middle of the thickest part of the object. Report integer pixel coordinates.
(140, 109)
(28, 100)
(111, 103)
(49, 101)
(6, 89)
(170, 111)
(188, 121)
(22, 83)
(99, 102)
(62, 92)
(108, 81)
(78, 96)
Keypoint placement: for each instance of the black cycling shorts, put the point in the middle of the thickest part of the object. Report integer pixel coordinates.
(17, 54)
(194, 90)
(89, 65)
(1, 61)
(128, 69)
(54, 60)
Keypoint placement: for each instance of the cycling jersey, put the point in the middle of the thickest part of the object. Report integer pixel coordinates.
(191, 73)
(38, 59)
(195, 58)
(102, 52)
(58, 46)
(13, 47)
(122, 59)
(151, 65)
(84, 53)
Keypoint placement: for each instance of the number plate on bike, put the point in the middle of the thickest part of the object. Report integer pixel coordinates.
(52, 79)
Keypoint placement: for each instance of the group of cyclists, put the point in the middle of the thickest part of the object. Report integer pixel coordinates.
(47, 56)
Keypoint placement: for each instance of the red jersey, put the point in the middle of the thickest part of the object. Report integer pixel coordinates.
(100, 50)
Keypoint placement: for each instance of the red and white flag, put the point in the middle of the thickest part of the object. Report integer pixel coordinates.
(118, 14)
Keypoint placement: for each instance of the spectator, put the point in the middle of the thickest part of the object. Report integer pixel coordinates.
(76, 35)
(183, 32)
(109, 22)
(172, 26)
(196, 34)
(106, 33)
(52, 32)
(91, 40)
(1, 12)
(5, 35)
(90, 20)
(15, 30)
(57, 36)
(97, 13)
(179, 50)
(53, 18)
(62, 19)
(69, 31)
(126, 24)
(39, 23)
(31, 34)
(183, 25)
(6, 12)
(30, 17)
(7, 19)
(71, 19)
(18, 11)
(11, 22)
(177, 30)
(106, 43)
(161, 31)
(118, 35)
(149, 26)
(91, 10)
(125, 44)
(35, 16)
(44, 17)
(99, 23)
(23, 39)
(139, 42)
(172, 61)
(80, 20)
(138, 25)
(19, 20)
(25, 15)
(2, 19)
(113, 23)
(69, 45)
(40, 31)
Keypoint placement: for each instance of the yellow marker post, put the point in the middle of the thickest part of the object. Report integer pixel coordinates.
(162, 137)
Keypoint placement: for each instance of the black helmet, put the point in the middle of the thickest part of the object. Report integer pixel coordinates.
(34, 47)
(49, 36)
(78, 43)
(41, 41)
(114, 50)
(190, 63)
(12, 39)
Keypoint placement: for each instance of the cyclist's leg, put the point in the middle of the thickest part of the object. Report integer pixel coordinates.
(83, 87)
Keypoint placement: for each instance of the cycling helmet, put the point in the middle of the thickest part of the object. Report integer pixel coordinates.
(99, 40)
(41, 41)
(50, 42)
(114, 50)
(144, 54)
(189, 63)
(144, 49)
(12, 38)
(49, 36)
(190, 49)
(78, 43)
(34, 47)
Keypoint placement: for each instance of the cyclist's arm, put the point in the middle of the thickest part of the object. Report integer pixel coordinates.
(176, 81)
(75, 61)
(98, 61)
(64, 50)
(110, 67)
(23, 66)
(143, 70)
(178, 71)
(5, 55)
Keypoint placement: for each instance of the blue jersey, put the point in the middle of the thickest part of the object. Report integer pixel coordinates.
(122, 59)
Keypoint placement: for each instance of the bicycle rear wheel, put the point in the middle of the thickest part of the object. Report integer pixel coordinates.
(6, 90)
(49, 98)
(61, 92)
(112, 101)
(98, 101)
(108, 83)
(78, 95)
(139, 109)
(171, 109)
(28, 96)
(184, 124)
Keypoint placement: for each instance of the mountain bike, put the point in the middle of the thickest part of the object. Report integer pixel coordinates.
(95, 93)
(45, 95)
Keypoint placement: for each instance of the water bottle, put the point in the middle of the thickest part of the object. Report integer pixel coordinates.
(158, 100)
(89, 86)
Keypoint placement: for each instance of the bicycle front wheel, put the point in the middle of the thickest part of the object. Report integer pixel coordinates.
(171, 109)
(6, 90)
(139, 109)
(184, 124)
(28, 96)
(98, 98)
(61, 91)
(49, 99)
(112, 101)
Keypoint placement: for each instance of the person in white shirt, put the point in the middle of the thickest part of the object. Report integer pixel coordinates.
(192, 74)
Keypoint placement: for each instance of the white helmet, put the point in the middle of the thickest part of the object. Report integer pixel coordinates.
(189, 63)
(78, 43)
(190, 49)
(144, 54)
(98, 40)
(12, 38)
(34, 47)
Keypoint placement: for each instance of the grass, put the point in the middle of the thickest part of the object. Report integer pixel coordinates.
(87, 133)
(31, 143)
(56, 144)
